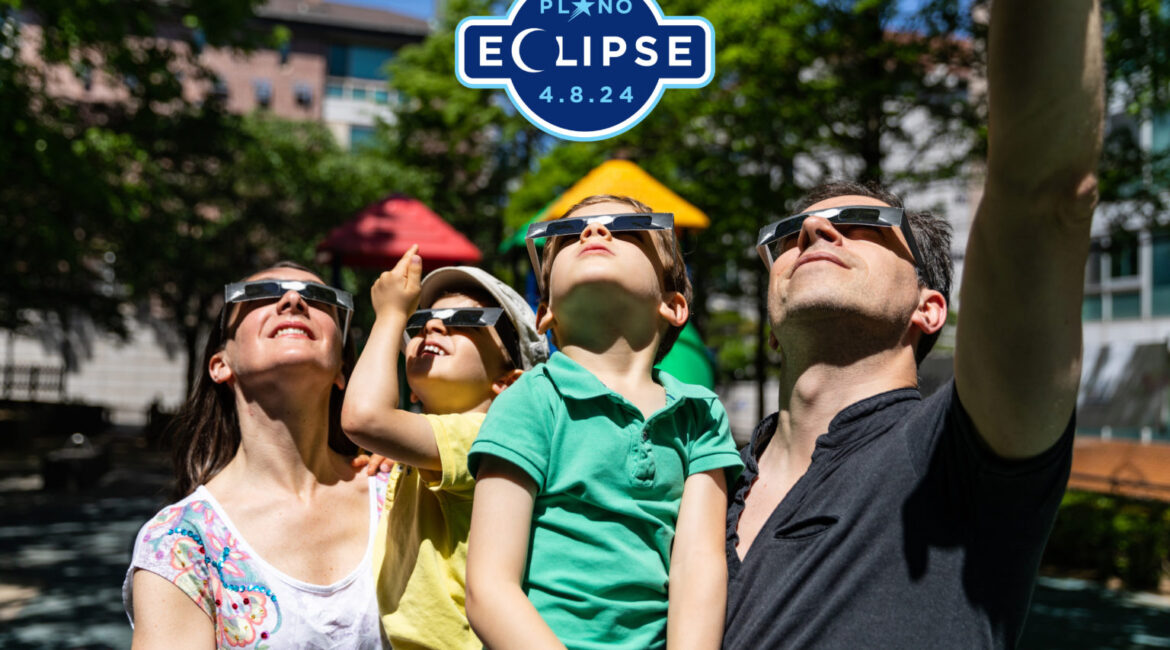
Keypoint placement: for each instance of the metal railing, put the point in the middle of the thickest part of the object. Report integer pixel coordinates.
(1117, 484)
(30, 382)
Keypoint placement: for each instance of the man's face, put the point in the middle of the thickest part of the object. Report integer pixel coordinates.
(831, 271)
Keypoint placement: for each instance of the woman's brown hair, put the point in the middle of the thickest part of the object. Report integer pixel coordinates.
(205, 433)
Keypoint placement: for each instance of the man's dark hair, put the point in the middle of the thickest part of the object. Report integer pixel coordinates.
(931, 232)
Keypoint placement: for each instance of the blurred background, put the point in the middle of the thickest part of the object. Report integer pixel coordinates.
(152, 151)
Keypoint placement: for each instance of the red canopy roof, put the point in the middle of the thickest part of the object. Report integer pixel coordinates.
(378, 236)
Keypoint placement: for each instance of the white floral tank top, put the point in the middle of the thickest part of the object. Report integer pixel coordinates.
(194, 545)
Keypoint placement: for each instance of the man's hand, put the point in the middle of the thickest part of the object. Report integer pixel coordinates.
(396, 291)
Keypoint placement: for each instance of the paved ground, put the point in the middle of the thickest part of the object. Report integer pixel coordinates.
(1080, 614)
(63, 556)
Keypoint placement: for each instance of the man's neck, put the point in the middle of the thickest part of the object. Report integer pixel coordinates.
(814, 392)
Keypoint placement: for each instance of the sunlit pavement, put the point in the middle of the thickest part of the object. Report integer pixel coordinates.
(63, 557)
(1069, 613)
(62, 566)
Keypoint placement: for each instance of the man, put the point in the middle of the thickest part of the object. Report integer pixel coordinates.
(867, 516)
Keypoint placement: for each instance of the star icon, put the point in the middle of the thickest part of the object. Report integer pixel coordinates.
(582, 8)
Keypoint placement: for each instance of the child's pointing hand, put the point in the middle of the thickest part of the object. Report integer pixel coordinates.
(397, 290)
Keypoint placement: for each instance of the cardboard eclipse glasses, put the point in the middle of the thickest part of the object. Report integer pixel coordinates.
(574, 226)
(468, 317)
(773, 235)
(319, 295)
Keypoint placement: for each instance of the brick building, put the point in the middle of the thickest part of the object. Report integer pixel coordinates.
(331, 70)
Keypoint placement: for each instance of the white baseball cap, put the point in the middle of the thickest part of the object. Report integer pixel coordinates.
(533, 347)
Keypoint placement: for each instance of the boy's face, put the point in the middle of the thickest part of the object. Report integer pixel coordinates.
(452, 369)
(626, 262)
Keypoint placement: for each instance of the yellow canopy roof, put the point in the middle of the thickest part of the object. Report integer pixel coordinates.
(624, 178)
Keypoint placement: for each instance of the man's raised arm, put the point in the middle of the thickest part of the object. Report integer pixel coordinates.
(1018, 350)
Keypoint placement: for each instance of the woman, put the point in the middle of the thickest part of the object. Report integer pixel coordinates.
(271, 544)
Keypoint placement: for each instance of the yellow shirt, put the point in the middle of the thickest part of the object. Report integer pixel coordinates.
(420, 557)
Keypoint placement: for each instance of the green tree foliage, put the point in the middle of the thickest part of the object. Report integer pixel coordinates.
(1112, 536)
(469, 145)
(1136, 175)
(275, 197)
(142, 190)
(804, 91)
(75, 172)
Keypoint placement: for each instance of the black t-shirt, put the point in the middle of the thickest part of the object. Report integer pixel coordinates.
(906, 531)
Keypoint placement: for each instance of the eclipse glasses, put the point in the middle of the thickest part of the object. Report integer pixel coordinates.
(468, 317)
(574, 226)
(319, 295)
(772, 236)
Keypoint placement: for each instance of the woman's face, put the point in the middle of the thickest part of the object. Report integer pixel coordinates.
(283, 337)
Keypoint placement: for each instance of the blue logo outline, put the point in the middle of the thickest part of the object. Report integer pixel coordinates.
(663, 83)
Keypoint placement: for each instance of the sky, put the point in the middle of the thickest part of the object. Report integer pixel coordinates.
(424, 9)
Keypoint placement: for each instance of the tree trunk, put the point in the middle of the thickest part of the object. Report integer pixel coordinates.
(761, 360)
(190, 343)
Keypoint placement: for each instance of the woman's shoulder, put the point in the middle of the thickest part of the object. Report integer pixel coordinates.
(196, 514)
(175, 544)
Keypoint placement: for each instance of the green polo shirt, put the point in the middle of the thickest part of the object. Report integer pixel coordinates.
(609, 484)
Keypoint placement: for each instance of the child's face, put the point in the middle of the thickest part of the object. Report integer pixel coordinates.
(452, 369)
(627, 262)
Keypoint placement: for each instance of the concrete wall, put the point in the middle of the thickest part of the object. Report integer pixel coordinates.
(124, 376)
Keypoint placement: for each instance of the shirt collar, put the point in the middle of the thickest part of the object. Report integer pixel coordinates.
(847, 425)
(575, 381)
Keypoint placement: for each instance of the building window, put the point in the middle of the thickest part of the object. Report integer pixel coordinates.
(381, 96)
(1114, 282)
(1091, 307)
(263, 92)
(361, 137)
(334, 90)
(219, 89)
(1127, 304)
(303, 94)
(358, 61)
(1093, 268)
(1160, 251)
(1161, 135)
(1123, 256)
(358, 94)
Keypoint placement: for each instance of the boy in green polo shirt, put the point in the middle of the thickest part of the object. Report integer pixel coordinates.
(600, 481)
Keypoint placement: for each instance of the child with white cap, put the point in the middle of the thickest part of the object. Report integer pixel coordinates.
(472, 338)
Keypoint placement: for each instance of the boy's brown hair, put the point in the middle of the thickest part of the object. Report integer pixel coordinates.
(674, 271)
